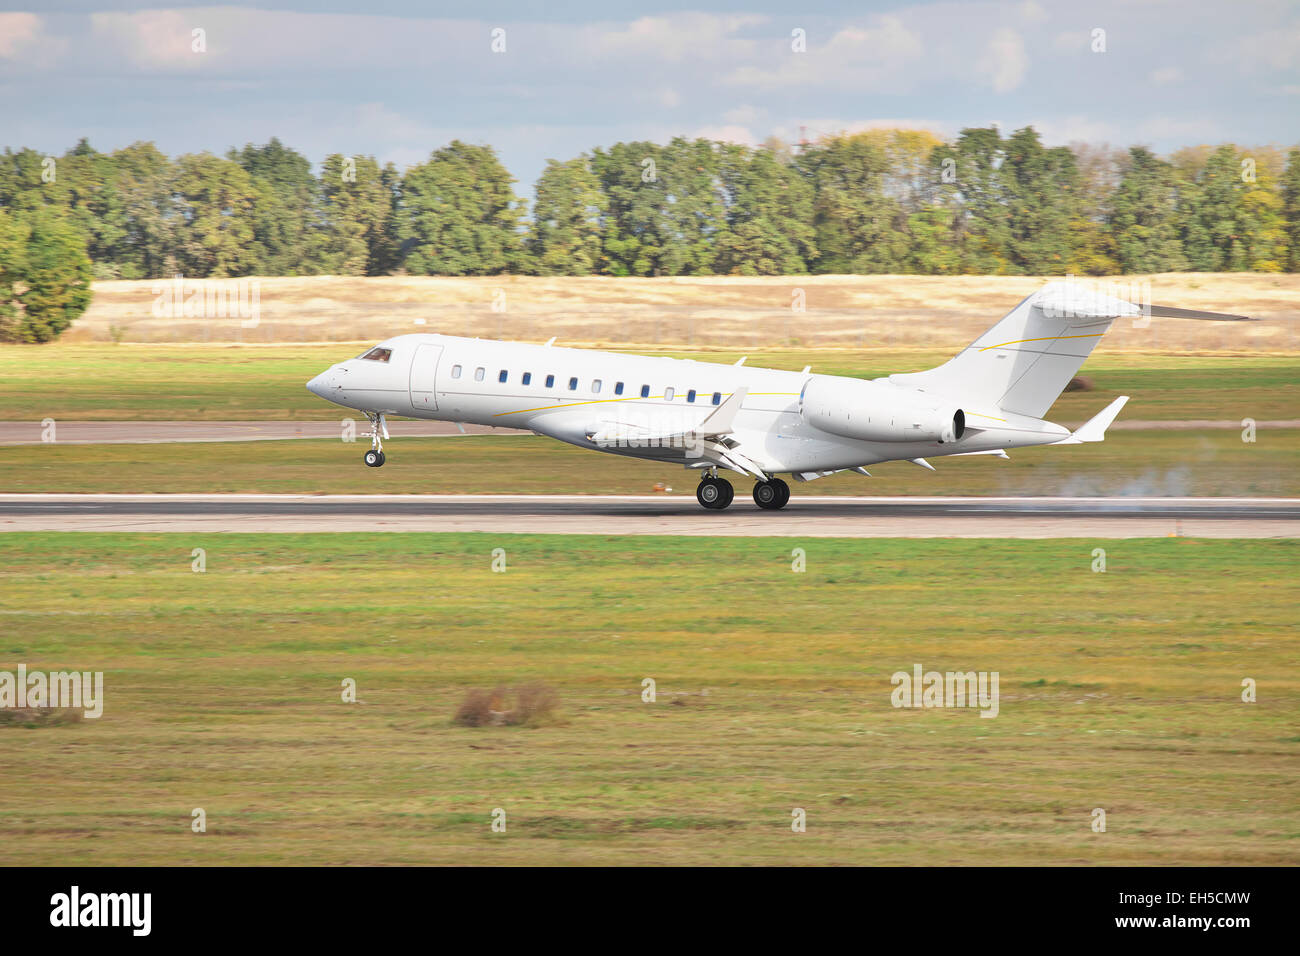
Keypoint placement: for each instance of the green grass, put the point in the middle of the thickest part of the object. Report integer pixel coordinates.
(1118, 690)
(144, 382)
(1209, 462)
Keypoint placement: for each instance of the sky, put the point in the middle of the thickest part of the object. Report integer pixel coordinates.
(396, 79)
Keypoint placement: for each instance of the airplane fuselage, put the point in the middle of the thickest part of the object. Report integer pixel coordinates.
(572, 394)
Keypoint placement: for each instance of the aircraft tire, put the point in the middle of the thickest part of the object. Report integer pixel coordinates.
(767, 495)
(712, 493)
(785, 491)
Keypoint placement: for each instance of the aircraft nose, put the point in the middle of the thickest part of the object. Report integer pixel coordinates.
(317, 385)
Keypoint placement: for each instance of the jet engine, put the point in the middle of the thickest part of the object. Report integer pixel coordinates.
(878, 411)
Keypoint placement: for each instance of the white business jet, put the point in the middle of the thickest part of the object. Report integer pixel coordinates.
(756, 422)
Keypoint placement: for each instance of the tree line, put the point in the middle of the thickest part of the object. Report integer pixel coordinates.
(883, 201)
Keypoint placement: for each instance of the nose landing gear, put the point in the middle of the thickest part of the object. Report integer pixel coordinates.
(375, 457)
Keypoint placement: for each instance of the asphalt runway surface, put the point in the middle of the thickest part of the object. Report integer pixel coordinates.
(677, 514)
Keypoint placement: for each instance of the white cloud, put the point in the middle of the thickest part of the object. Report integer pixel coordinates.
(17, 30)
(1277, 49)
(1033, 11)
(23, 39)
(856, 59)
(1166, 76)
(1005, 61)
(673, 38)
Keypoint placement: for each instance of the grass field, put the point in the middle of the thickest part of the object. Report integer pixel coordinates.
(222, 691)
(1147, 462)
(153, 382)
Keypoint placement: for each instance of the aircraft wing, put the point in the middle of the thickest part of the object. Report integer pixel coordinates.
(667, 429)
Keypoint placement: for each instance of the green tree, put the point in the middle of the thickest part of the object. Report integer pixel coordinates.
(1040, 186)
(567, 220)
(634, 195)
(145, 181)
(45, 276)
(459, 214)
(969, 177)
(934, 248)
(1291, 209)
(769, 215)
(22, 181)
(215, 230)
(286, 209)
(1144, 216)
(665, 207)
(358, 207)
(859, 228)
(1230, 223)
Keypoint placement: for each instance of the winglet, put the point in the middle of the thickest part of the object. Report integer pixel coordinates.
(1094, 429)
(720, 419)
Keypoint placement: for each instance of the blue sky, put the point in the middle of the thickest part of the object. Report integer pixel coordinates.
(398, 79)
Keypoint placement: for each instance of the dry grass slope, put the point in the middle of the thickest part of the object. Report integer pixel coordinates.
(718, 311)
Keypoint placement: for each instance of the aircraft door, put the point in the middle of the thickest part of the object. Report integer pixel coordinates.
(424, 376)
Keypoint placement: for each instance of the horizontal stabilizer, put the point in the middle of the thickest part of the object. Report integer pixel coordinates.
(995, 452)
(1094, 429)
(1169, 312)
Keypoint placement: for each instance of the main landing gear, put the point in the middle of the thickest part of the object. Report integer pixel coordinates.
(375, 457)
(772, 495)
(716, 493)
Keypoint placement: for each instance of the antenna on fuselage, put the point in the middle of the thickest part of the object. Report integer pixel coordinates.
(741, 360)
(551, 341)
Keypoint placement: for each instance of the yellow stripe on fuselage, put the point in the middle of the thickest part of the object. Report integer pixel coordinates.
(1046, 338)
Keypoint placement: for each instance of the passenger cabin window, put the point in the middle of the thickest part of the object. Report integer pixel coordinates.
(455, 371)
(595, 386)
(717, 398)
(618, 388)
(378, 355)
(690, 396)
(645, 391)
(503, 376)
(479, 373)
(668, 394)
(528, 378)
(573, 384)
(550, 381)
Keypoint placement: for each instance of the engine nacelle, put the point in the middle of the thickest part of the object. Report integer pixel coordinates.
(878, 411)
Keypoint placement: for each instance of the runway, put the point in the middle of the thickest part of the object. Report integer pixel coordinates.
(805, 516)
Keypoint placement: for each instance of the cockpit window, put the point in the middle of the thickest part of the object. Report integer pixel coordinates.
(378, 355)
